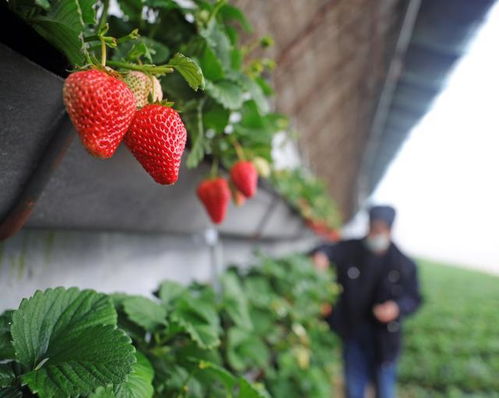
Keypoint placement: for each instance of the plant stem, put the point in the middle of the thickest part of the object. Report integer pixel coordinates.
(215, 10)
(91, 38)
(103, 52)
(239, 149)
(152, 69)
(103, 17)
(214, 168)
(187, 380)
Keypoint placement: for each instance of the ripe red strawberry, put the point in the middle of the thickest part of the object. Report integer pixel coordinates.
(101, 108)
(215, 196)
(245, 177)
(142, 86)
(157, 140)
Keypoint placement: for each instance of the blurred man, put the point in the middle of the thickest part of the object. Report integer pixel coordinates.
(380, 288)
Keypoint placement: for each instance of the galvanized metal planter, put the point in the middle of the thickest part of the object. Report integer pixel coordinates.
(35, 130)
(87, 193)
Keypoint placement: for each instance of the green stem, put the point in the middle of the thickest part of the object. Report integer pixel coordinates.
(91, 38)
(184, 384)
(214, 168)
(239, 149)
(152, 69)
(134, 34)
(103, 17)
(103, 52)
(215, 10)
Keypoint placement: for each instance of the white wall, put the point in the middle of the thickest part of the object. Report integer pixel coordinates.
(109, 262)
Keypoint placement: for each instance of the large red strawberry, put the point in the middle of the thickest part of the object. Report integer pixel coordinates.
(101, 108)
(143, 86)
(245, 177)
(157, 140)
(215, 195)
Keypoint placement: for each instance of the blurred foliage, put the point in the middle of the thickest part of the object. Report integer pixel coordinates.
(310, 197)
(261, 335)
(452, 345)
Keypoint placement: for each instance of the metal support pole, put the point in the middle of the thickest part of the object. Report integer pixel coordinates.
(211, 238)
(386, 97)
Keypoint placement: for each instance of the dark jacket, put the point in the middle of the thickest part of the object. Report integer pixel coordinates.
(368, 280)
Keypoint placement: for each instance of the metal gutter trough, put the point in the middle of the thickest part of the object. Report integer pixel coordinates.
(47, 180)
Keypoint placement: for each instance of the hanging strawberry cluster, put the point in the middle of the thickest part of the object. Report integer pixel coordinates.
(120, 96)
(108, 107)
(215, 192)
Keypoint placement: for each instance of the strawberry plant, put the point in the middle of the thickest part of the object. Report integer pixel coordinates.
(221, 90)
(454, 339)
(63, 342)
(261, 336)
(309, 196)
(275, 331)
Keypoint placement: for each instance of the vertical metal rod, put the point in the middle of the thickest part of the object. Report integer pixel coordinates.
(216, 267)
(386, 97)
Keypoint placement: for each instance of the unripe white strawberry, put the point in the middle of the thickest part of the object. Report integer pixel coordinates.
(142, 86)
(262, 166)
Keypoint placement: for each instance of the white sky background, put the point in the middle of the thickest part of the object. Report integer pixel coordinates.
(445, 180)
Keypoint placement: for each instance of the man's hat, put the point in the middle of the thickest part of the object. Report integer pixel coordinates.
(382, 213)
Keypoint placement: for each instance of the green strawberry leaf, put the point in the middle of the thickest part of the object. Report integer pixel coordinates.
(64, 24)
(195, 121)
(7, 374)
(62, 37)
(219, 42)
(98, 356)
(10, 392)
(235, 302)
(215, 117)
(219, 373)
(103, 392)
(245, 350)
(6, 347)
(248, 390)
(210, 64)
(189, 70)
(43, 3)
(226, 92)
(145, 312)
(170, 291)
(132, 9)
(68, 341)
(199, 319)
(87, 10)
(228, 12)
(138, 383)
(256, 92)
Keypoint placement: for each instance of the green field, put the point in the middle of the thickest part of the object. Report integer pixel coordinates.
(452, 344)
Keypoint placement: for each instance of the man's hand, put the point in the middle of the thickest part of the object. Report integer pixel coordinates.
(320, 261)
(386, 312)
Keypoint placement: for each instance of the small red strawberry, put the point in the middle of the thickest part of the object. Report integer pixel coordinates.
(245, 177)
(237, 197)
(215, 196)
(157, 140)
(142, 86)
(101, 108)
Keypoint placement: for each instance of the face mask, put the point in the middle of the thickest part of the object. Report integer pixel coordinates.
(377, 243)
